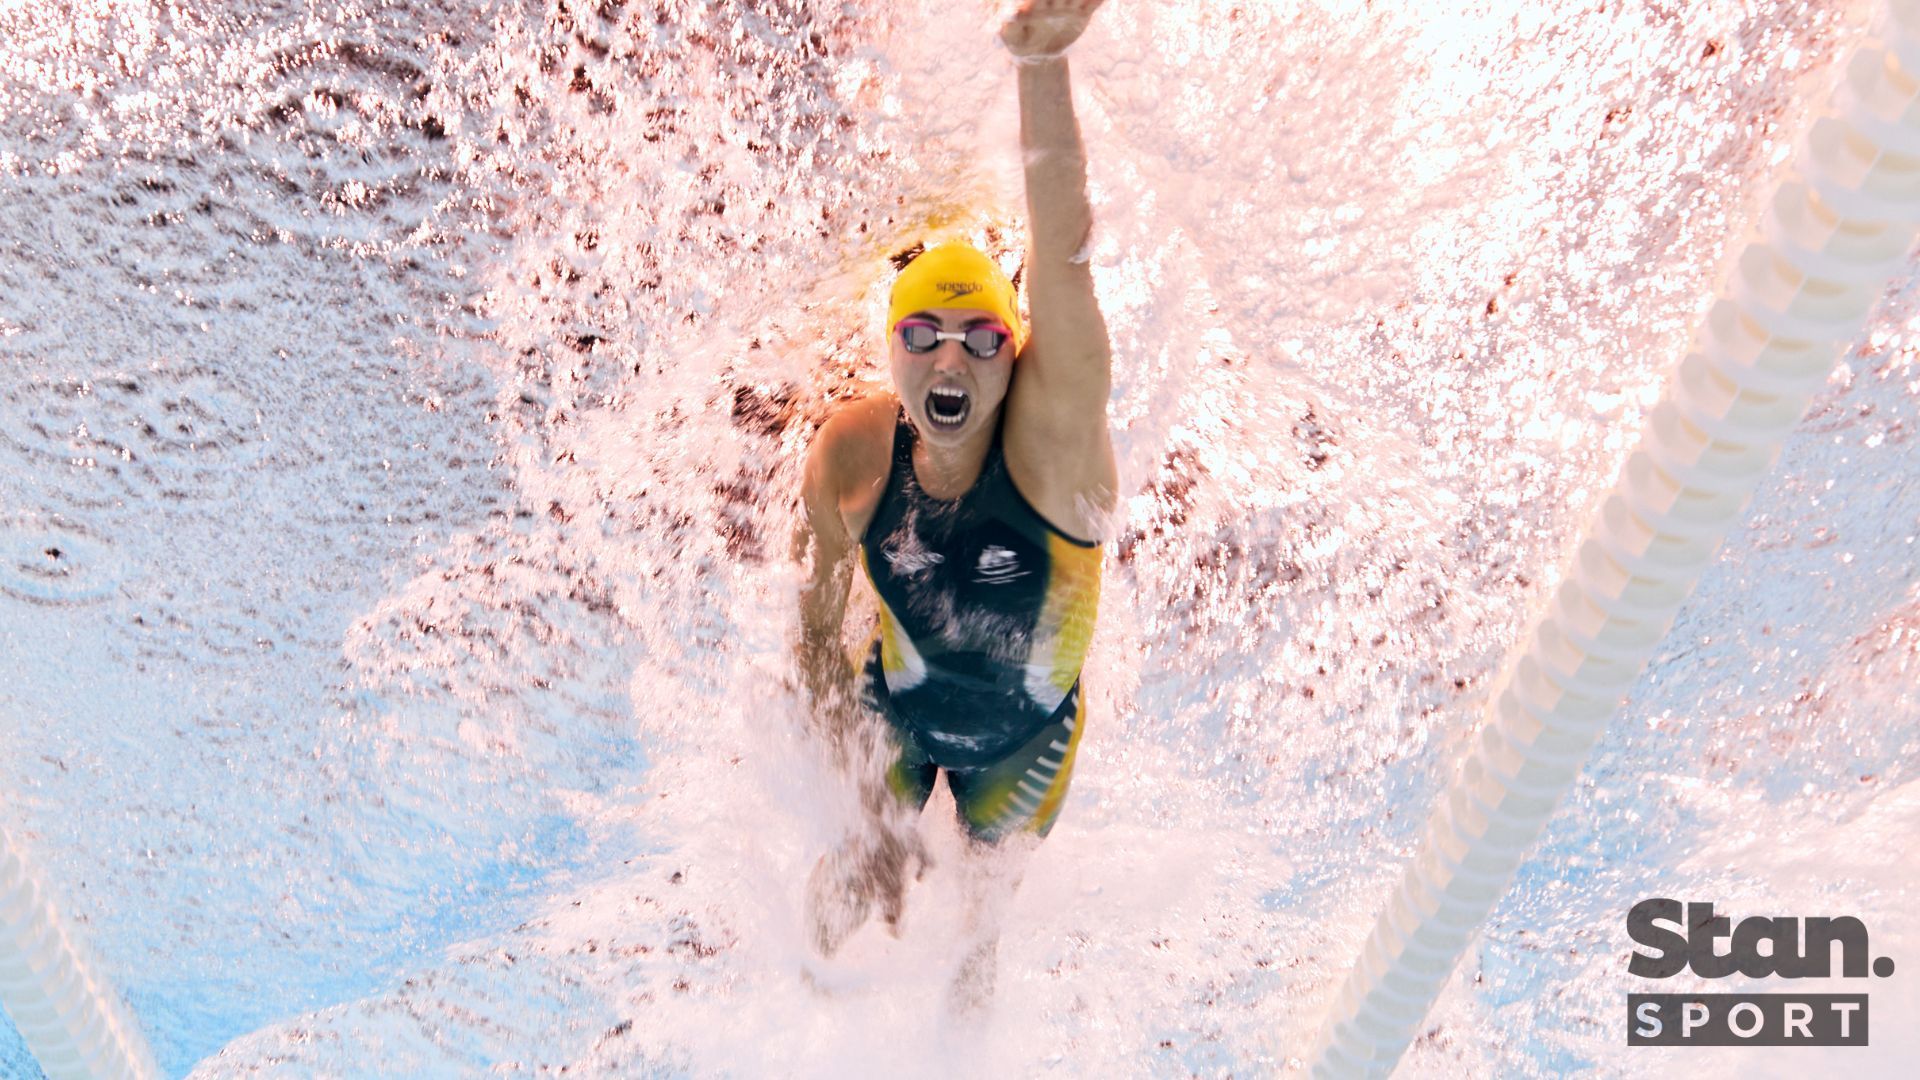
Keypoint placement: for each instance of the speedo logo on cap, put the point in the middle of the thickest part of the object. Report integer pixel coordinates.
(957, 289)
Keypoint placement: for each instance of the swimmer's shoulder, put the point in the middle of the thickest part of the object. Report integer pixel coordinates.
(851, 456)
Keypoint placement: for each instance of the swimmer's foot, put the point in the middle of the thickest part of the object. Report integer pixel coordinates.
(972, 989)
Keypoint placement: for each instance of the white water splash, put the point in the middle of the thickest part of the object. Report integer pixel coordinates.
(414, 395)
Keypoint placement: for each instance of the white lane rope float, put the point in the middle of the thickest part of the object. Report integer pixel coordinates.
(74, 1024)
(1834, 234)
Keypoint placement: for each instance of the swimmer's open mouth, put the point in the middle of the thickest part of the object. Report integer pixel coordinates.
(948, 406)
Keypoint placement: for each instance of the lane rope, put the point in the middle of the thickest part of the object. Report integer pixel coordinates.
(1835, 233)
(73, 1024)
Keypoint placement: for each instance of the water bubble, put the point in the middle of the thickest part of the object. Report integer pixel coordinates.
(51, 560)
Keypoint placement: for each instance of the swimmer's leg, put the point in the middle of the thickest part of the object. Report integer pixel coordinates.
(1023, 792)
(1007, 808)
(989, 873)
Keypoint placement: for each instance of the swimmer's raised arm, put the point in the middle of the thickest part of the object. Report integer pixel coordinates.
(1038, 37)
(1057, 438)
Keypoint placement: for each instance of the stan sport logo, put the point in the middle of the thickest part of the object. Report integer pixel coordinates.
(1673, 937)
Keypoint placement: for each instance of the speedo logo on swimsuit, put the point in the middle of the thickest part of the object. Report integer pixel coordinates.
(997, 566)
(908, 561)
(957, 289)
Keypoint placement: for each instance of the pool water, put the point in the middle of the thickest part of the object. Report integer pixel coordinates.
(401, 408)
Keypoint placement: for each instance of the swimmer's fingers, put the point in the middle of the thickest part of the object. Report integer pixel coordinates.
(922, 862)
(893, 854)
(892, 907)
(889, 881)
(897, 857)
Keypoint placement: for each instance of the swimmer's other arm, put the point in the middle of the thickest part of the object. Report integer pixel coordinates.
(823, 545)
(845, 466)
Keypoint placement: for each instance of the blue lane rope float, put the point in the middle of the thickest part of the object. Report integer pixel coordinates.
(73, 1024)
(1833, 235)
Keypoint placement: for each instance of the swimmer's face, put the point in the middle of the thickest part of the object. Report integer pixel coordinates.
(951, 394)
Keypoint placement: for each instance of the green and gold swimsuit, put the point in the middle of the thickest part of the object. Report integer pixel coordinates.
(986, 613)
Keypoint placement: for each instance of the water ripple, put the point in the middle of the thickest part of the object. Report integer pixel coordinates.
(51, 560)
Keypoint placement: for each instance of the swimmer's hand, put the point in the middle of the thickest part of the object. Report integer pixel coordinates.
(1043, 29)
(862, 873)
(896, 858)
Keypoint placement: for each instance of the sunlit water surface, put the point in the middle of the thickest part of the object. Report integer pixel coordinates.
(399, 430)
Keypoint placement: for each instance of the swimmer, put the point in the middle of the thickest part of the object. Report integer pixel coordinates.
(974, 497)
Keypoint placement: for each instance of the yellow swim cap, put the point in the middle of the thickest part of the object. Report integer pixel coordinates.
(955, 275)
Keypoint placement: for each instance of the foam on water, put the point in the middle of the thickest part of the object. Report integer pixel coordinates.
(401, 420)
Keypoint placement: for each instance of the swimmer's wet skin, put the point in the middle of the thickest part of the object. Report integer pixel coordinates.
(973, 497)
